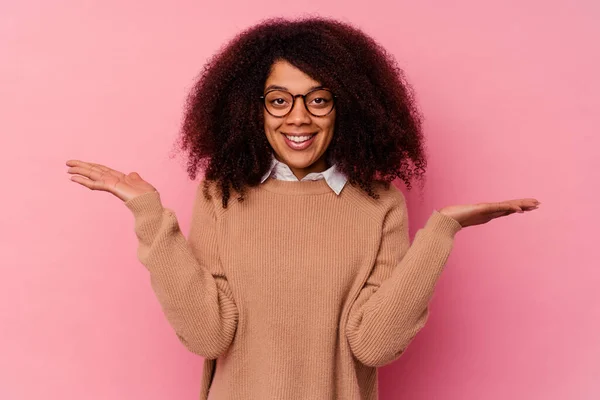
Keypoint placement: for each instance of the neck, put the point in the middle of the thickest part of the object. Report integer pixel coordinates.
(318, 166)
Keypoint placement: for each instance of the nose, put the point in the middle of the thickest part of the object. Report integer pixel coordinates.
(298, 114)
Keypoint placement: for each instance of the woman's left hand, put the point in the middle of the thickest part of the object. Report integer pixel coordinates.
(481, 213)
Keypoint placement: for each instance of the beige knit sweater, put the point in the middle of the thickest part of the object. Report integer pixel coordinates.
(294, 293)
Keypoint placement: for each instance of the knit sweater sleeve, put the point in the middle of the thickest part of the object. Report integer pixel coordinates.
(186, 275)
(392, 306)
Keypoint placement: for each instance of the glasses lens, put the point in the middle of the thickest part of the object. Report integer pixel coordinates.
(278, 103)
(319, 102)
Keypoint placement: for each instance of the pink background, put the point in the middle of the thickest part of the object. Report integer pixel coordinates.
(510, 94)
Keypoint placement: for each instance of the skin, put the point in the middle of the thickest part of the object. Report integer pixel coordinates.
(299, 120)
(98, 177)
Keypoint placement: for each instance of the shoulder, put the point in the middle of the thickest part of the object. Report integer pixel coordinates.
(389, 194)
(389, 199)
(208, 198)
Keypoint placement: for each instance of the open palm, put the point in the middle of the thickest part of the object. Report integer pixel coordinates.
(99, 177)
(481, 213)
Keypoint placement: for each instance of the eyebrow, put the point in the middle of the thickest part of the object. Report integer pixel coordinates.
(277, 87)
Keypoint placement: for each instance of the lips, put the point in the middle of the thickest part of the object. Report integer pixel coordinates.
(299, 145)
(298, 138)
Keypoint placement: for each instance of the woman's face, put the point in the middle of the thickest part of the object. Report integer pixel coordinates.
(302, 156)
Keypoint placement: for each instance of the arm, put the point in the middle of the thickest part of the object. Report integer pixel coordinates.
(187, 276)
(392, 306)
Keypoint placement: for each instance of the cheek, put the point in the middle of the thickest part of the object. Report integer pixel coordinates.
(268, 129)
(270, 124)
(329, 127)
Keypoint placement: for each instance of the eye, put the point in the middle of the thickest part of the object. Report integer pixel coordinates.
(320, 102)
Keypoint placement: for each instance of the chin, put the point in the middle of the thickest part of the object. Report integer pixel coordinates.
(298, 161)
(295, 161)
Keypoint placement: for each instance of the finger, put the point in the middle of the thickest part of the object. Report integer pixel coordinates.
(108, 170)
(512, 205)
(77, 163)
(95, 166)
(499, 207)
(89, 172)
(532, 201)
(81, 166)
(88, 183)
(501, 213)
(524, 202)
(99, 166)
(528, 202)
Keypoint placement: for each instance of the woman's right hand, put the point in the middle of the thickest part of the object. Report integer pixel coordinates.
(98, 177)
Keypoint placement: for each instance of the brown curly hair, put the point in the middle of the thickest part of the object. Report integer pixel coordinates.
(377, 136)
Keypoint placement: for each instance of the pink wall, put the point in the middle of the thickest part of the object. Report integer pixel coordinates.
(510, 93)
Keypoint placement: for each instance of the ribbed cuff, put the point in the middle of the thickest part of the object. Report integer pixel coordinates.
(147, 203)
(442, 224)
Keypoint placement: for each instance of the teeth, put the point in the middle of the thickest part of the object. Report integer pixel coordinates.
(298, 139)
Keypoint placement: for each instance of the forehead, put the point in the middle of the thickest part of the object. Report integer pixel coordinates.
(285, 75)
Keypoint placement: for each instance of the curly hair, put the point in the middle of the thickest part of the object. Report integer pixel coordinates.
(377, 135)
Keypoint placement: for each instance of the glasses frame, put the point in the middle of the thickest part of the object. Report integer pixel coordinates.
(264, 101)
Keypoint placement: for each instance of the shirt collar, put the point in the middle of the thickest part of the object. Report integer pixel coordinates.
(334, 178)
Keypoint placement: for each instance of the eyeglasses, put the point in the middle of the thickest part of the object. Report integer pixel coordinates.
(318, 102)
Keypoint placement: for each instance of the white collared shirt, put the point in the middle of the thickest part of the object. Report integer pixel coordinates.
(334, 178)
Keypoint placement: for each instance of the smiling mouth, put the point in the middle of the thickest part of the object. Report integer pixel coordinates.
(299, 139)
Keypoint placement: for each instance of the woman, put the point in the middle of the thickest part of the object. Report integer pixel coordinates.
(297, 279)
